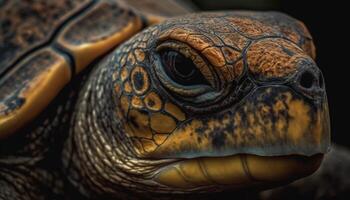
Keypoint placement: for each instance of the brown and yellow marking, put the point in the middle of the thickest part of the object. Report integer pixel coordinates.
(261, 122)
(199, 42)
(124, 104)
(124, 74)
(139, 80)
(148, 145)
(230, 54)
(215, 56)
(280, 58)
(153, 101)
(137, 102)
(38, 91)
(160, 138)
(300, 120)
(123, 61)
(101, 40)
(131, 59)
(175, 111)
(162, 123)
(139, 124)
(234, 39)
(180, 34)
(140, 55)
(251, 27)
(127, 87)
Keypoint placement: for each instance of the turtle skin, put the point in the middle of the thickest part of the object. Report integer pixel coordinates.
(188, 108)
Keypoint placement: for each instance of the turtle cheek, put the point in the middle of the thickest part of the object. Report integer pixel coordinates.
(270, 121)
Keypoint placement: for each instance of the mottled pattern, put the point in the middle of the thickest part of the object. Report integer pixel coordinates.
(257, 126)
(161, 8)
(11, 91)
(27, 24)
(131, 120)
(87, 28)
(131, 115)
(102, 21)
(283, 57)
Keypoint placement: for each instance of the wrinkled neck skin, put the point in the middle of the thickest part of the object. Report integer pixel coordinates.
(98, 157)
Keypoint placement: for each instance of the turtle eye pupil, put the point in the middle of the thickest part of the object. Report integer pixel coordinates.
(181, 69)
(182, 66)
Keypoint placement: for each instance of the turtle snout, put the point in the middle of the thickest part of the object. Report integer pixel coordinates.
(309, 81)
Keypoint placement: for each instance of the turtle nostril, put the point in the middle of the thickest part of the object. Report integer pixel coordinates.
(307, 80)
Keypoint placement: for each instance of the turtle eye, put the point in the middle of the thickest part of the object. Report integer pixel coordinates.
(181, 69)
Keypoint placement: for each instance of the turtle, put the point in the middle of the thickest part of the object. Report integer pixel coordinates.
(125, 99)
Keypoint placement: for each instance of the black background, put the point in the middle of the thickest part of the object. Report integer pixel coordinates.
(329, 24)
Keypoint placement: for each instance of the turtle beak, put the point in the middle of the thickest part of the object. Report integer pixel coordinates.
(276, 135)
(275, 119)
(272, 120)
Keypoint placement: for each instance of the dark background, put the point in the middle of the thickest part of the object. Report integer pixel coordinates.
(329, 24)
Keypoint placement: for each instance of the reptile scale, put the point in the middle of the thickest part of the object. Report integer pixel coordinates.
(128, 100)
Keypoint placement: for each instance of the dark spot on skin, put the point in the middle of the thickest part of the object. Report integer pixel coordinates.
(138, 80)
(13, 103)
(133, 122)
(218, 139)
(201, 130)
(151, 103)
(287, 51)
(143, 112)
(199, 140)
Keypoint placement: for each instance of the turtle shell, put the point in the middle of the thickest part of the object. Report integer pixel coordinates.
(44, 44)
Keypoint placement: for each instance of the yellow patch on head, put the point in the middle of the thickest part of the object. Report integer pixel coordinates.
(139, 80)
(140, 55)
(162, 123)
(136, 102)
(153, 101)
(139, 124)
(160, 138)
(300, 120)
(148, 145)
(124, 74)
(131, 59)
(175, 111)
(127, 87)
(124, 104)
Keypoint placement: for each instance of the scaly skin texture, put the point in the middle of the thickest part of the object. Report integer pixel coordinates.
(132, 120)
(44, 45)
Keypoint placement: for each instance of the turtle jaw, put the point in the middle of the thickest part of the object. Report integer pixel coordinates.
(236, 172)
(270, 121)
(274, 135)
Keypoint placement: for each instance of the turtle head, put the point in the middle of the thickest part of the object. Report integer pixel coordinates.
(214, 101)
